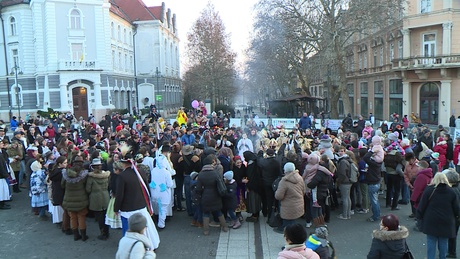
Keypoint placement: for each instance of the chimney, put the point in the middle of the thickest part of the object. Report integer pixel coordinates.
(163, 7)
(168, 15)
(174, 23)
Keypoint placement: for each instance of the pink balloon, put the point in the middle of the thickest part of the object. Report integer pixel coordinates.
(195, 104)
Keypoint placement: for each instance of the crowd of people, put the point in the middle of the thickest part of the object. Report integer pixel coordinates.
(132, 174)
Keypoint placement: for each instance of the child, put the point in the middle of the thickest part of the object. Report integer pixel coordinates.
(38, 189)
(196, 200)
(135, 244)
(318, 242)
(377, 149)
(230, 201)
(296, 236)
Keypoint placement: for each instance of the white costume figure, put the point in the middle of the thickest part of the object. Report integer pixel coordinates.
(160, 189)
(244, 144)
(163, 162)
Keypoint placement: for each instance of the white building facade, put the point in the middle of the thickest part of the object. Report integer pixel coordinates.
(80, 56)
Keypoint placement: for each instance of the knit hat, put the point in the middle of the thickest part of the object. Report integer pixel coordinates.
(228, 175)
(236, 158)
(321, 232)
(137, 222)
(289, 167)
(393, 136)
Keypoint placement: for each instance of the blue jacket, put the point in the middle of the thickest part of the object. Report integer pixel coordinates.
(305, 123)
(188, 139)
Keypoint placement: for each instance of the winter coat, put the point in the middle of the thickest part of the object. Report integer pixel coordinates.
(343, 170)
(393, 163)
(321, 181)
(455, 155)
(373, 171)
(134, 245)
(423, 178)
(438, 214)
(230, 199)
(97, 187)
(253, 173)
(441, 148)
(305, 122)
(207, 188)
(298, 251)
(290, 192)
(388, 244)
(12, 153)
(75, 196)
(410, 172)
(58, 192)
(129, 195)
(450, 149)
(270, 168)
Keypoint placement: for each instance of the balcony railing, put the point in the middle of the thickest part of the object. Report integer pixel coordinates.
(77, 65)
(371, 70)
(427, 62)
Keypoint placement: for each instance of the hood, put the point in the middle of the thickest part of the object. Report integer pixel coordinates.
(99, 174)
(248, 155)
(391, 235)
(293, 177)
(427, 171)
(376, 140)
(72, 176)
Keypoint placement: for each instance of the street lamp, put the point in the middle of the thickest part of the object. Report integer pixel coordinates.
(17, 89)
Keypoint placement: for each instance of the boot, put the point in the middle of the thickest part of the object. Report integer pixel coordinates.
(103, 235)
(223, 224)
(236, 224)
(194, 223)
(76, 235)
(84, 237)
(205, 226)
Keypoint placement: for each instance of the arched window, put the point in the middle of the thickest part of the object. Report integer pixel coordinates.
(13, 30)
(130, 38)
(16, 96)
(119, 33)
(112, 28)
(75, 19)
(124, 36)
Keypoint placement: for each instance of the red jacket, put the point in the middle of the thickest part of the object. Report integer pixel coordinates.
(441, 148)
(421, 181)
(456, 152)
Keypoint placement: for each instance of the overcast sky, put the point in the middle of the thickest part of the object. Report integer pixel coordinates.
(237, 16)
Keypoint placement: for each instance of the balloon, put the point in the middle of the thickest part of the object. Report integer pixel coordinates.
(195, 104)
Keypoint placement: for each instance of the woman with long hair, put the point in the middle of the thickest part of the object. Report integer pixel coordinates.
(57, 193)
(437, 211)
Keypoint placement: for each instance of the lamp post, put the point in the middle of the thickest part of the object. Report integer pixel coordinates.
(157, 74)
(17, 89)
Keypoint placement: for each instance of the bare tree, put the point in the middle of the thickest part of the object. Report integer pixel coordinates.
(328, 27)
(211, 71)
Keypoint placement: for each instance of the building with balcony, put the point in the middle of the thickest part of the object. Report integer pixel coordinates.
(87, 56)
(411, 66)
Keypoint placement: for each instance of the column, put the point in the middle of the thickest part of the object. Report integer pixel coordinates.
(97, 96)
(407, 98)
(64, 98)
(406, 43)
(445, 104)
(46, 94)
(446, 38)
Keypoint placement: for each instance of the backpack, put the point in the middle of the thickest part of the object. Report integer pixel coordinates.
(276, 183)
(354, 173)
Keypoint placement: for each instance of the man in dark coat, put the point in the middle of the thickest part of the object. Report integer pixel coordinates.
(450, 149)
(347, 123)
(3, 174)
(372, 179)
(271, 169)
